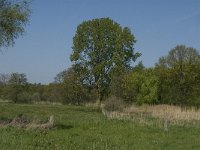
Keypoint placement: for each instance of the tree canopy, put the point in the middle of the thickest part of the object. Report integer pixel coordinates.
(101, 48)
(179, 75)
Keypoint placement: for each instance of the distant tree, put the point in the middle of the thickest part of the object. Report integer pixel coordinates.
(178, 73)
(139, 67)
(4, 78)
(60, 77)
(17, 79)
(103, 49)
(52, 92)
(13, 17)
(17, 84)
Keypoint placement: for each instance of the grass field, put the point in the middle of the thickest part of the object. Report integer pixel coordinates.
(86, 128)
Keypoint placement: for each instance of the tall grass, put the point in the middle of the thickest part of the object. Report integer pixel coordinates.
(167, 111)
(173, 114)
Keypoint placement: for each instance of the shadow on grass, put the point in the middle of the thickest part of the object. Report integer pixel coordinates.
(63, 127)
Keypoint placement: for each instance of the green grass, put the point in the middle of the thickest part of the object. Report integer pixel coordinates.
(85, 128)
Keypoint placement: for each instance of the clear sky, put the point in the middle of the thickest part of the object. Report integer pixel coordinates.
(44, 50)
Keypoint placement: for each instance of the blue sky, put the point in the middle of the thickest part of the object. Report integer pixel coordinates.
(45, 48)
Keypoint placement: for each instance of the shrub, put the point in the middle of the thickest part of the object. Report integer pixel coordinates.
(24, 97)
(35, 97)
(114, 104)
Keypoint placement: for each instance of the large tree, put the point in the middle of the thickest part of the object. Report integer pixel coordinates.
(13, 17)
(102, 49)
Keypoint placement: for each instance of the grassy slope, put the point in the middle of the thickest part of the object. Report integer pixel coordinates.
(86, 128)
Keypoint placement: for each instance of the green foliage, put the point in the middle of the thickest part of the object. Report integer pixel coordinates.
(68, 89)
(17, 79)
(75, 92)
(52, 93)
(36, 97)
(60, 77)
(126, 84)
(148, 92)
(13, 18)
(140, 86)
(179, 75)
(24, 97)
(16, 84)
(101, 48)
(131, 85)
(15, 87)
(139, 67)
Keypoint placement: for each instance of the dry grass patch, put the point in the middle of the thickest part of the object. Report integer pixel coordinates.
(170, 112)
(21, 121)
(161, 114)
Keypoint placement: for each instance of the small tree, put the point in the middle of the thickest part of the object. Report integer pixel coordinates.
(102, 49)
(75, 91)
(17, 83)
(4, 78)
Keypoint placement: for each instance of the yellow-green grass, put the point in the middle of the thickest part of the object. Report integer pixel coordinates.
(86, 128)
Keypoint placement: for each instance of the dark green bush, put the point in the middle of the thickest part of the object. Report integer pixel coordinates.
(24, 97)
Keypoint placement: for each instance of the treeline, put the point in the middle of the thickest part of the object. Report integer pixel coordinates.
(15, 87)
(175, 79)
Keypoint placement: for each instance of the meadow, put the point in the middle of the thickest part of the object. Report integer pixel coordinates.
(86, 128)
